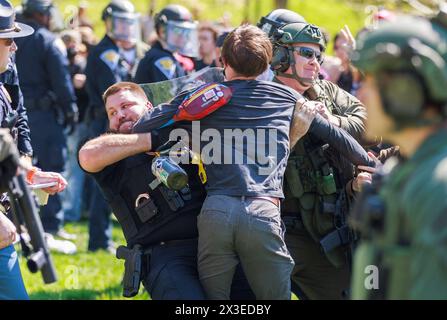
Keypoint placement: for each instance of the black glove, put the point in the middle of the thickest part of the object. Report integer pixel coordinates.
(9, 159)
(71, 118)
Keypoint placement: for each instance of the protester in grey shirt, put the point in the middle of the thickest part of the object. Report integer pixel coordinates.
(245, 161)
(240, 217)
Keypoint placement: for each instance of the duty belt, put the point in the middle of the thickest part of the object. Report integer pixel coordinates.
(134, 258)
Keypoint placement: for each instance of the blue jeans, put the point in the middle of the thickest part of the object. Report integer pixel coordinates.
(72, 197)
(249, 230)
(100, 224)
(50, 152)
(11, 282)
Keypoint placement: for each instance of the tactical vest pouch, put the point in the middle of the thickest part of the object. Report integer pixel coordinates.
(185, 193)
(320, 226)
(326, 184)
(172, 197)
(146, 210)
(293, 179)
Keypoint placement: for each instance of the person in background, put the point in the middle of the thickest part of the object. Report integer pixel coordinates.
(106, 66)
(207, 46)
(50, 100)
(176, 40)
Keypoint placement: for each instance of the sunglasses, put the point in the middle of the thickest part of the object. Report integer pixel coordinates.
(309, 53)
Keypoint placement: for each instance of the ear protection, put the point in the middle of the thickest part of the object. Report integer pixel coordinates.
(281, 59)
(403, 94)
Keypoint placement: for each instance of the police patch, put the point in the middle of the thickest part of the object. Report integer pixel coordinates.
(167, 66)
(111, 58)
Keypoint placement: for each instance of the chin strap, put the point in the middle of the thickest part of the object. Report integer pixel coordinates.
(294, 75)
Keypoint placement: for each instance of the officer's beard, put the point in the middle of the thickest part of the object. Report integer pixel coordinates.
(110, 130)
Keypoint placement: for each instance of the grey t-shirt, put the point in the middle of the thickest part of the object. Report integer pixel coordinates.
(244, 144)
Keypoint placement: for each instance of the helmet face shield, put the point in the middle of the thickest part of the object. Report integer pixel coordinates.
(125, 27)
(182, 37)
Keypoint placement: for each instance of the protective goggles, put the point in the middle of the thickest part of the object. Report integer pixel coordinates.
(309, 53)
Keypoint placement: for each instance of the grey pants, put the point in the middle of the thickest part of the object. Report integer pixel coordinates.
(248, 230)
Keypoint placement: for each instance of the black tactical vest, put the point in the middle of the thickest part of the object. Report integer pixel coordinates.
(151, 216)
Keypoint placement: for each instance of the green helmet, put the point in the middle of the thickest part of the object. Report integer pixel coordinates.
(300, 32)
(283, 41)
(409, 59)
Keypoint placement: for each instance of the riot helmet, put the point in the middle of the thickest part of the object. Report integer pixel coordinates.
(277, 19)
(122, 22)
(177, 30)
(45, 8)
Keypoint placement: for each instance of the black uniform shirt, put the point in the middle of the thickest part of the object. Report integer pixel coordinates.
(121, 184)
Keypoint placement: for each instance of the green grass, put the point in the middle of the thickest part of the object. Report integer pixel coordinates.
(84, 275)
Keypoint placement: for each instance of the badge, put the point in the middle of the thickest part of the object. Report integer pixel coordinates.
(111, 58)
(166, 66)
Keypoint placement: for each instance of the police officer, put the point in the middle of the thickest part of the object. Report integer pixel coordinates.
(177, 37)
(316, 203)
(163, 222)
(49, 97)
(403, 250)
(226, 184)
(271, 23)
(106, 66)
(10, 80)
(11, 283)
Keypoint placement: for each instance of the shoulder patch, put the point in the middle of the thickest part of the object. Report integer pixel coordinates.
(166, 66)
(111, 58)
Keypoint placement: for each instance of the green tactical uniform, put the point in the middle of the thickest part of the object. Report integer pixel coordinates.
(313, 184)
(316, 203)
(402, 217)
(410, 246)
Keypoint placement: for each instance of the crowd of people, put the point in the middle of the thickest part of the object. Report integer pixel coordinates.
(351, 139)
